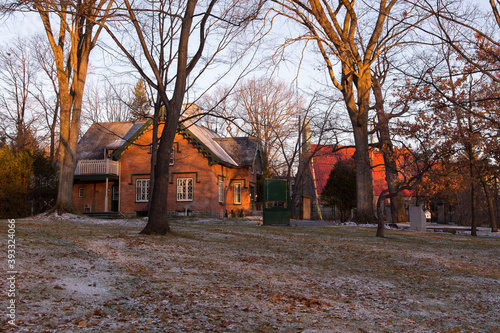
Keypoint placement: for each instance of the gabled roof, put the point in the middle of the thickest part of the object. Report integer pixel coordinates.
(101, 136)
(206, 141)
(233, 152)
(241, 149)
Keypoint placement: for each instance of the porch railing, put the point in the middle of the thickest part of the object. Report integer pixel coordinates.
(97, 167)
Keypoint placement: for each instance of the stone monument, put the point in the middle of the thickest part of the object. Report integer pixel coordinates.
(417, 219)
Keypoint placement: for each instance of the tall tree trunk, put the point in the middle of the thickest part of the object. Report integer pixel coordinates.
(158, 218)
(398, 211)
(67, 160)
(64, 202)
(380, 215)
(472, 198)
(364, 176)
(473, 208)
(158, 213)
(358, 113)
(491, 205)
(71, 110)
(71, 47)
(70, 131)
(154, 144)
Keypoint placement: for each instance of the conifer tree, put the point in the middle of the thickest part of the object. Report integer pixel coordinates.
(340, 188)
(140, 106)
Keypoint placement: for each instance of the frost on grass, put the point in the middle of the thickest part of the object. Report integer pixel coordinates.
(78, 273)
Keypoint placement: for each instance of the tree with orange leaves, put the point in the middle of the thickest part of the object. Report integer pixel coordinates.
(459, 120)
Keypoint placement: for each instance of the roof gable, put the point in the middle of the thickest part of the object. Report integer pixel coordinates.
(117, 154)
(102, 136)
(206, 141)
(243, 150)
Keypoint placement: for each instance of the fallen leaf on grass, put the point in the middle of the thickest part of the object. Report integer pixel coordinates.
(99, 313)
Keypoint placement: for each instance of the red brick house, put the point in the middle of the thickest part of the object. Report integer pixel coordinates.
(209, 175)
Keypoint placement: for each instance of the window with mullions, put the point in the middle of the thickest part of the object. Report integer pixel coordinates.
(184, 189)
(221, 191)
(142, 190)
(237, 193)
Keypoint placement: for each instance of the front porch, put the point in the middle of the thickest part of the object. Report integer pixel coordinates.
(96, 186)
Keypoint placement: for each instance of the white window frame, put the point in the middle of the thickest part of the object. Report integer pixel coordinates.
(221, 191)
(185, 189)
(238, 193)
(81, 192)
(142, 187)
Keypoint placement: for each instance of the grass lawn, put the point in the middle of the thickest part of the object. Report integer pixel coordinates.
(78, 274)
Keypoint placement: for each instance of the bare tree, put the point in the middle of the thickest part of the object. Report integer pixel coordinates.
(353, 34)
(106, 102)
(78, 27)
(265, 108)
(172, 39)
(386, 147)
(453, 94)
(46, 92)
(460, 24)
(221, 110)
(17, 78)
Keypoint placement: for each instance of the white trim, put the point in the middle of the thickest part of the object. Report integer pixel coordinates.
(185, 189)
(142, 190)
